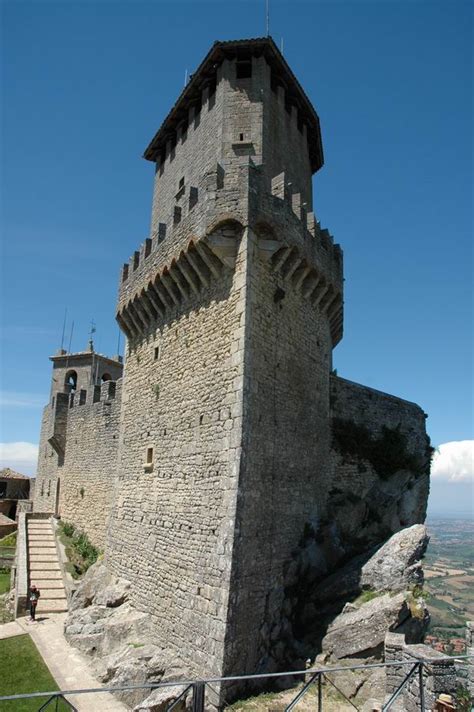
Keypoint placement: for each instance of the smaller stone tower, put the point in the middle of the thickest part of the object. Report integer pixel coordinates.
(85, 378)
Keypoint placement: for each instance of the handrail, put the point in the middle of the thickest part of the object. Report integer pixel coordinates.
(415, 663)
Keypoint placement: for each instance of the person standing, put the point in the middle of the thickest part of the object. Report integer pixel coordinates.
(33, 601)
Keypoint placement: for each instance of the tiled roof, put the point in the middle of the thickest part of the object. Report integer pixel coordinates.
(9, 474)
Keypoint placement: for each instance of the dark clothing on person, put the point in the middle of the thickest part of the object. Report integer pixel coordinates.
(33, 602)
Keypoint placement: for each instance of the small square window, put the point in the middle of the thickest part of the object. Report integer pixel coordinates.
(244, 70)
(148, 464)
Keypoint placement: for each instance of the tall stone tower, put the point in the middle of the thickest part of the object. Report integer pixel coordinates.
(232, 308)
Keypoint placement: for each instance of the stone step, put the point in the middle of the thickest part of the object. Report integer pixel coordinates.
(40, 527)
(48, 584)
(48, 576)
(49, 594)
(51, 605)
(43, 557)
(34, 548)
(44, 566)
(39, 542)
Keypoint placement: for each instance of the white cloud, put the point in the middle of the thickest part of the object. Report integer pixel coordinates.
(454, 462)
(20, 456)
(13, 399)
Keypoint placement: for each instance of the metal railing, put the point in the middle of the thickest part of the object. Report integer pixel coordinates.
(198, 688)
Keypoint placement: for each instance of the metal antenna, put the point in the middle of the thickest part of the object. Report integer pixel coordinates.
(64, 328)
(281, 45)
(118, 342)
(267, 4)
(70, 337)
(91, 331)
(185, 76)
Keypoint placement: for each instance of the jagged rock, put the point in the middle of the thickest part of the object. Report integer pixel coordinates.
(395, 566)
(113, 595)
(361, 633)
(132, 665)
(98, 630)
(160, 699)
(95, 580)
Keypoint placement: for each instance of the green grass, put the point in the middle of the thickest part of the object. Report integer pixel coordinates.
(9, 540)
(4, 581)
(80, 552)
(23, 671)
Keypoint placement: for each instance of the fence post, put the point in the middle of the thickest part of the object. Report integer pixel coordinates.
(422, 687)
(320, 694)
(198, 696)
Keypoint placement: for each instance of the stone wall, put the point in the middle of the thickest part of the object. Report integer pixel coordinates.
(438, 672)
(87, 478)
(171, 530)
(286, 442)
(374, 499)
(77, 485)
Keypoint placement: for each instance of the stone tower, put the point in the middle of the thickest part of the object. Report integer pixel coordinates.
(232, 308)
(80, 383)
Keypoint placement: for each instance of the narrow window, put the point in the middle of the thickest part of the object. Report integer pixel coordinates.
(244, 70)
(70, 381)
(177, 215)
(241, 137)
(193, 197)
(156, 353)
(161, 232)
(148, 464)
(181, 183)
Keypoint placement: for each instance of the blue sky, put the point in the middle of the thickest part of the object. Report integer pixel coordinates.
(86, 84)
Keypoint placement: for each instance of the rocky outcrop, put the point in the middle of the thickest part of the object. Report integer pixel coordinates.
(360, 632)
(395, 566)
(120, 641)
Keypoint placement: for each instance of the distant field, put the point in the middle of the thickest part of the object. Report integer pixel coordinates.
(449, 575)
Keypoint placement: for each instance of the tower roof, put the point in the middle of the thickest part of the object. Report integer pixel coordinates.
(241, 49)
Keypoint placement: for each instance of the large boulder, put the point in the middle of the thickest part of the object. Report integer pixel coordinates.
(360, 632)
(133, 664)
(395, 566)
(101, 588)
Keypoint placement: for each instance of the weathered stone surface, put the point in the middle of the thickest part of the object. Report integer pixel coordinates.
(95, 581)
(160, 699)
(395, 566)
(361, 633)
(134, 664)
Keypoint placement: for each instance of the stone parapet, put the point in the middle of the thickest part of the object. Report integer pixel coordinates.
(437, 676)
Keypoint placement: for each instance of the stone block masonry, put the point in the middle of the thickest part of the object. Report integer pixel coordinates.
(77, 461)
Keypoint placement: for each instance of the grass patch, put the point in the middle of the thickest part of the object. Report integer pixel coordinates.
(79, 550)
(23, 671)
(367, 596)
(9, 540)
(4, 581)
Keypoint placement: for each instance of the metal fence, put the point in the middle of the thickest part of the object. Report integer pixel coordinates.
(196, 691)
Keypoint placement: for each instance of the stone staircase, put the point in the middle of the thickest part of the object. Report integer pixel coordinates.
(43, 566)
